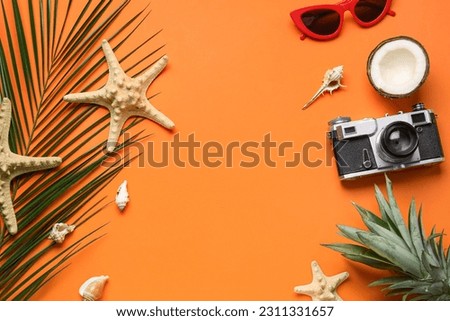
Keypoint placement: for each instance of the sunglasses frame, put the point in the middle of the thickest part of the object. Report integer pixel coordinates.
(340, 8)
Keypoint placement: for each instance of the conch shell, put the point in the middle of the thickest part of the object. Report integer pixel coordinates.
(122, 196)
(92, 289)
(59, 232)
(331, 81)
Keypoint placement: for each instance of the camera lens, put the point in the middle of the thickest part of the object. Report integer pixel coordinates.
(399, 139)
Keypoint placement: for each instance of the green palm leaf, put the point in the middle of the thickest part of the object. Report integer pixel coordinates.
(48, 49)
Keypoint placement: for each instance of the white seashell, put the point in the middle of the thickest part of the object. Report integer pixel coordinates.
(331, 81)
(122, 196)
(59, 232)
(92, 289)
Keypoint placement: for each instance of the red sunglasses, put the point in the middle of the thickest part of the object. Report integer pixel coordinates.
(324, 22)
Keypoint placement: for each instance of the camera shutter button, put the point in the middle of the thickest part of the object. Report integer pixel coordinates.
(339, 120)
(418, 106)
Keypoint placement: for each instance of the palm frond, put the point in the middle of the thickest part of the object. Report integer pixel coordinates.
(48, 49)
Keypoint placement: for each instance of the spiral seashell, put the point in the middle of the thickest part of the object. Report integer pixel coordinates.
(92, 289)
(331, 81)
(122, 196)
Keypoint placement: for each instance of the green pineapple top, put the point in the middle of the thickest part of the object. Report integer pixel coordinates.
(420, 263)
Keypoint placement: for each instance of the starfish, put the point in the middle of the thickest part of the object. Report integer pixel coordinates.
(12, 165)
(124, 96)
(322, 287)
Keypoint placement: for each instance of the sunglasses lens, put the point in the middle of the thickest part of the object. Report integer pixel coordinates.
(323, 22)
(369, 10)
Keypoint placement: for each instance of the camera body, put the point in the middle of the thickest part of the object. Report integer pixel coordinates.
(370, 146)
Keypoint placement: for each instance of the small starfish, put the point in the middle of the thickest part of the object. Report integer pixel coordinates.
(124, 96)
(12, 165)
(322, 287)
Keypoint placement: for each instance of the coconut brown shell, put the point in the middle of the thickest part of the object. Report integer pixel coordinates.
(378, 47)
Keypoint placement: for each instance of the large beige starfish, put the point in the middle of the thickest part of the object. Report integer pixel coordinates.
(124, 96)
(322, 287)
(12, 165)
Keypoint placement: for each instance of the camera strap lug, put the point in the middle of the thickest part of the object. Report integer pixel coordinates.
(367, 163)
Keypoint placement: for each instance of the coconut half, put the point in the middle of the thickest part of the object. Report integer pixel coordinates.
(398, 66)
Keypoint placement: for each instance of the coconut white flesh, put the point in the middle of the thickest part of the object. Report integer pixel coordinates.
(398, 67)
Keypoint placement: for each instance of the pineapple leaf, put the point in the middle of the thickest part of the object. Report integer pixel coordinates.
(371, 261)
(389, 280)
(383, 205)
(350, 232)
(404, 286)
(443, 297)
(434, 247)
(360, 254)
(415, 229)
(448, 263)
(440, 249)
(349, 248)
(385, 210)
(408, 284)
(420, 263)
(433, 267)
(395, 254)
(416, 288)
(397, 216)
(388, 235)
(426, 297)
(434, 289)
(421, 228)
(368, 216)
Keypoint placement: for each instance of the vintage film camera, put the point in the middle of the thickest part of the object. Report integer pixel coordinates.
(370, 146)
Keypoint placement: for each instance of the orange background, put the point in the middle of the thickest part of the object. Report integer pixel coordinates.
(238, 71)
